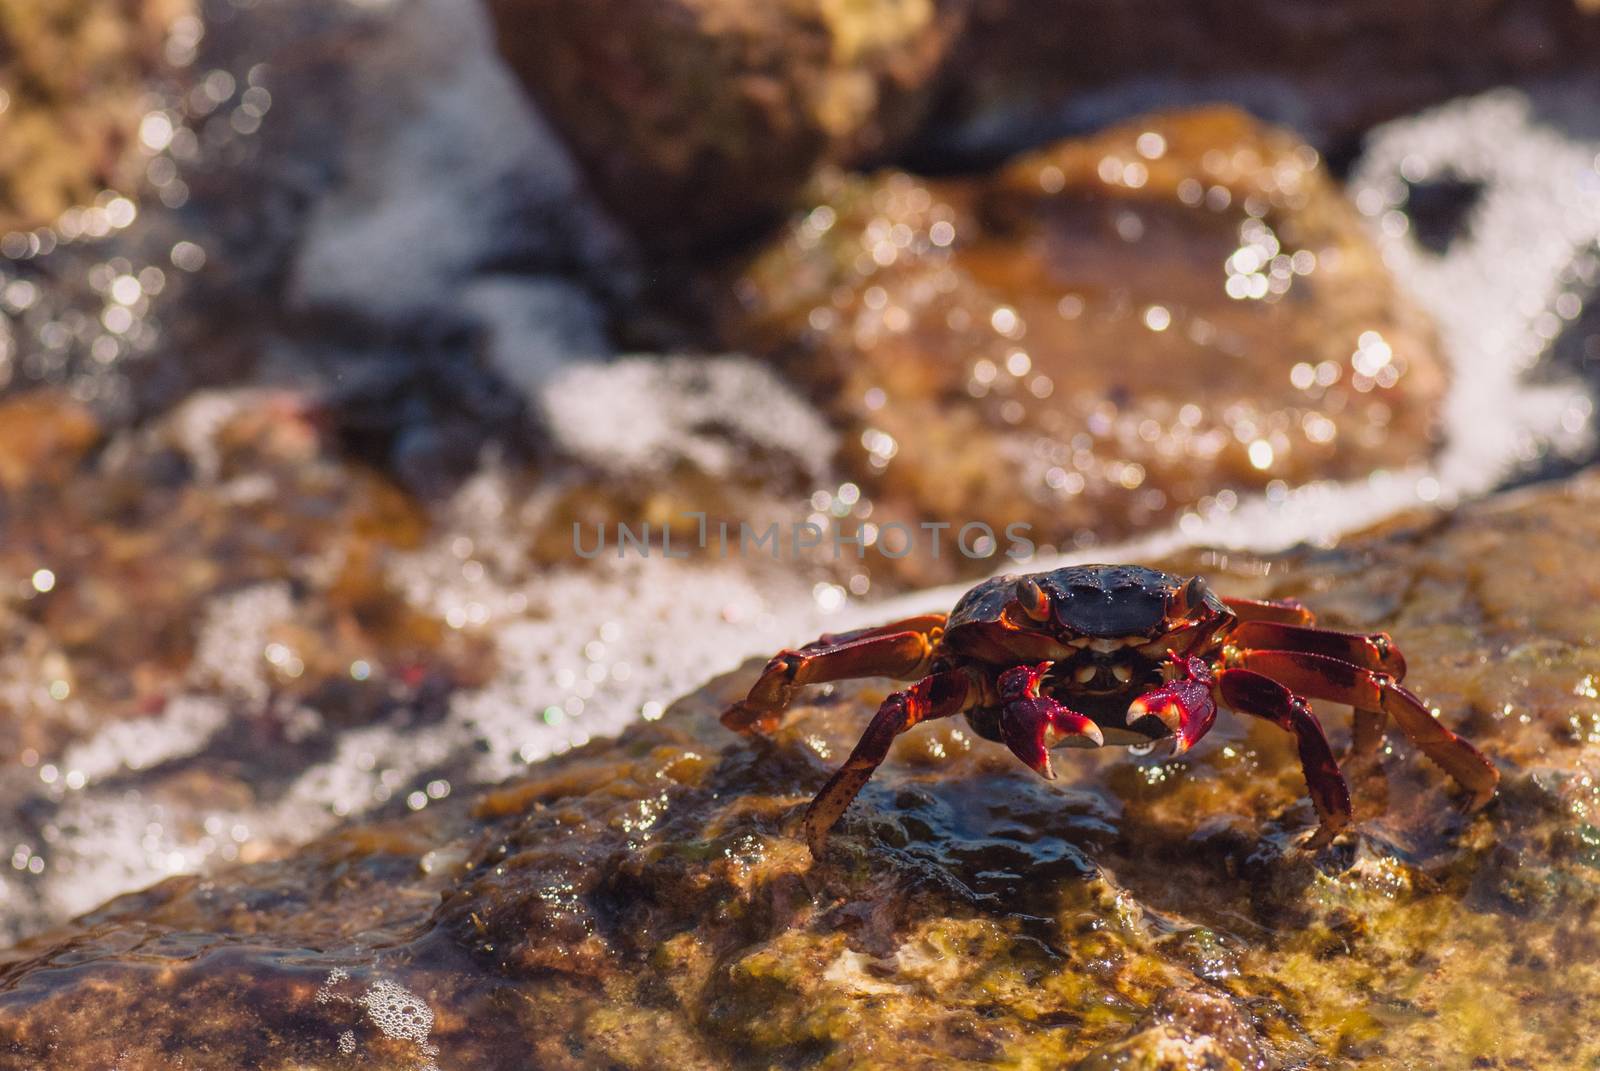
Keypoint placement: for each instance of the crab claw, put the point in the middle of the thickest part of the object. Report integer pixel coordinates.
(1031, 727)
(1032, 724)
(1184, 704)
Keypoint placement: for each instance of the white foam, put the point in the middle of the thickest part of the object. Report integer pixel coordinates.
(446, 163)
(1495, 296)
(643, 414)
(400, 1014)
(397, 1013)
(185, 725)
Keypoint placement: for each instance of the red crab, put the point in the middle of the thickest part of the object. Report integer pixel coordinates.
(1096, 654)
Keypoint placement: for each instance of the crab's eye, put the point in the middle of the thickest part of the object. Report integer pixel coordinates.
(1032, 599)
(1192, 597)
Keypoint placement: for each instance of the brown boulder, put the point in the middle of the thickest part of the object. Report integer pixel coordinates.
(1102, 335)
(696, 118)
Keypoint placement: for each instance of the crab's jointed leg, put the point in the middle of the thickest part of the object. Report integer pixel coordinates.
(1184, 704)
(1322, 677)
(930, 623)
(1373, 650)
(1369, 650)
(938, 696)
(1282, 611)
(902, 650)
(1249, 692)
(1031, 724)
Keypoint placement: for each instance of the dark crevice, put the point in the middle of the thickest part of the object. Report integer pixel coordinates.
(1439, 211)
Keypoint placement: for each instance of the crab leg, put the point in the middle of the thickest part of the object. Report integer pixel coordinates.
(1373, 650)
(1249, 692)
(921, 623)
(902, 650)
(1322, 677)
(938, 696)
(1184, 704)
(1370, 650)
(1031, 724)
(1283, 611)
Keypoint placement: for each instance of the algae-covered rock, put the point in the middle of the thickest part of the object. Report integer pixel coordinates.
(73, 77)
(1103, 334)
(649, 903)
(696, 118)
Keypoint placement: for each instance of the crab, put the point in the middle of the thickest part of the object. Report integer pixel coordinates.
(1086, 656)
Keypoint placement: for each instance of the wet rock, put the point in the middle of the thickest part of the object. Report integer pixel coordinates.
(201, 607)
(1102, 335)
(696, 119)
(648, 903)
(1029, 68)
(72, 94)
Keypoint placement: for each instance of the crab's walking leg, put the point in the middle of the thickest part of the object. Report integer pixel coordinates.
(1184, 704)
(938, 696)
(1031, 724)
(1322, 677)
(921, 623)
(1372, 650)
(1369, 650)
(1249, 692)
(902, 650)
(1283, 611)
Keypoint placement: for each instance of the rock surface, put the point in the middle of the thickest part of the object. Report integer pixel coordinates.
(72, 93)
(1102, 335)
(647, 903)
(696, 118)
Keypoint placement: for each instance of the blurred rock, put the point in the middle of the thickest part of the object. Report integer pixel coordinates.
(73, 91)
(303, 218)
(1102, 335)
(695, 119)
(43, 436)
(1032, 69)
(646, 903)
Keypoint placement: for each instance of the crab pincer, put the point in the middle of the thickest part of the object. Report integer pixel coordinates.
(1184, 705)
(1031, 724)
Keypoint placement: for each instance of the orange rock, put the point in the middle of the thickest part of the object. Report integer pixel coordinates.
(1103, 334)
(43, 436)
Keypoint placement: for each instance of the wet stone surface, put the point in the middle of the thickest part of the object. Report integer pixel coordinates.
(648, 902)
(1102, 335)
